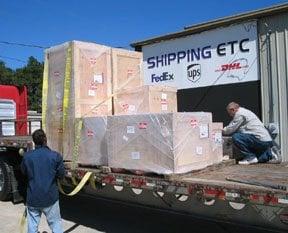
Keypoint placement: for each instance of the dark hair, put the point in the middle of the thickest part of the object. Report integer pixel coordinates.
(39, 137)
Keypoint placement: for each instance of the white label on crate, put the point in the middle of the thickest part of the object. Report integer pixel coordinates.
(283, 201)
(218, 137)
(131, 108)
(204, 132)
(135, 155)
(164, 107)
(130, 129)
(125, 138)
(163, 96)
(199, 150)
(98, 78)
(59, 95)
(91, 93)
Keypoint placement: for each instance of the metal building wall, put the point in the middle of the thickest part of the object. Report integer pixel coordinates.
(273, 47)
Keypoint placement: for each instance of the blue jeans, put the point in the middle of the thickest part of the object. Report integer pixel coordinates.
(252, 147)
(52, 214)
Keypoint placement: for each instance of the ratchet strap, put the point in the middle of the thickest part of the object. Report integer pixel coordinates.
(45, 92)
(23, 221)
(84, 180)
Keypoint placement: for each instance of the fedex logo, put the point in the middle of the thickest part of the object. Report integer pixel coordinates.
(165, 76)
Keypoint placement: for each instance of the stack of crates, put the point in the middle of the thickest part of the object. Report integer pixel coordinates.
(97, 112)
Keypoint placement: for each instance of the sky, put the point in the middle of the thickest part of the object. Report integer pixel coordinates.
(115, 23)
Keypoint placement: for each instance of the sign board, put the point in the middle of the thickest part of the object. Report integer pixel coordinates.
(220, 56)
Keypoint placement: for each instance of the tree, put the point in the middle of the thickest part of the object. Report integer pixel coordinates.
(30, 76)
(6, 74)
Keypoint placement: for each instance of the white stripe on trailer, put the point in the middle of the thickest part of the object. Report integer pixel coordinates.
(237, 206)
(137, 191)
(181, 197)
(283, 201)
(118, 188)
(150, 184)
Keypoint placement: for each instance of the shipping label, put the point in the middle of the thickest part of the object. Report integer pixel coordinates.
(130, 129)
(135, 155)
(204, 131)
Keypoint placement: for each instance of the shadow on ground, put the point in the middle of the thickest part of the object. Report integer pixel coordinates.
(111, 217)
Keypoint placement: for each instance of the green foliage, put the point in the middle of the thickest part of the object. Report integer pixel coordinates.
(6, 74)
(30, 75)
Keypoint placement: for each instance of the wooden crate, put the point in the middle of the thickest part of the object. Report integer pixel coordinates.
(89, 92)
(56, 57)
(216, 142)
(92, 79)
(146, 99)
(160, 143)
(93, 142)
(127, 72)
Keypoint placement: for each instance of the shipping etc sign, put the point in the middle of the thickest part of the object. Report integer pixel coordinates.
(221, 56)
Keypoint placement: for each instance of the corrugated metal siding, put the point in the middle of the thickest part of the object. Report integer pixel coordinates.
(273, 45)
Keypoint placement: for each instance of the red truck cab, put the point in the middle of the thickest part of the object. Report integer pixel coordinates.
(14, 96)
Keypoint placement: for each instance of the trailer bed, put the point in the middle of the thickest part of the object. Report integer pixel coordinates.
(205, 193)
(260, 176)
(253, 181)
(16, 142)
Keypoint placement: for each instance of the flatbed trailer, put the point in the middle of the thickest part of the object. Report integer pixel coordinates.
(258, 196)
(254, 195)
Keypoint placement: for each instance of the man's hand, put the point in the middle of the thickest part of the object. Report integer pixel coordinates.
(68, 165)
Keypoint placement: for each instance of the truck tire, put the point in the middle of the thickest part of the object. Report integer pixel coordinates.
(5, 181)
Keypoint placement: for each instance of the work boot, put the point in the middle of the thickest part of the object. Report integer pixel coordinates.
(248, 161)
(276, 155)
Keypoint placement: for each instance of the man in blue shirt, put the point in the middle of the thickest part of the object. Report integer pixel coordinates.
(42, 168)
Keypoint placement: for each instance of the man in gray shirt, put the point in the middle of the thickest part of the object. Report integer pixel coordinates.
(249, 135)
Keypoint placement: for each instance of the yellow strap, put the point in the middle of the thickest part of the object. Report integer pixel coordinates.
(78, 128)
(78, 187)
(92, 182)
(67, 81)
(66, 93)
(23, 221)
(74, 181)
(45, 92)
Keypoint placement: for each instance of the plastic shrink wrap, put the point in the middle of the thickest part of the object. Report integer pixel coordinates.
(162, 143)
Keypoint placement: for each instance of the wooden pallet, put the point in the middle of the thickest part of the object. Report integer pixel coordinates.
(107, 170)
(213, 167)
